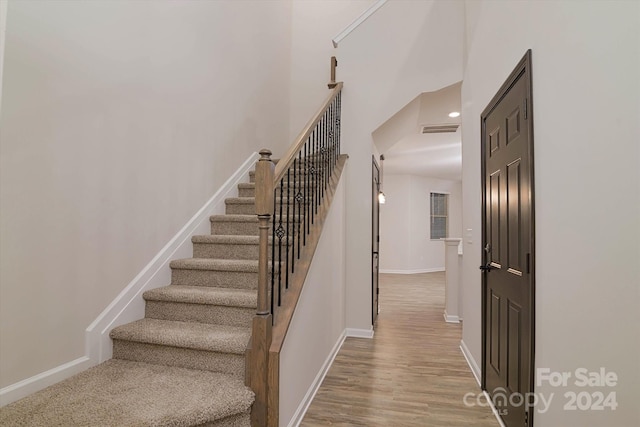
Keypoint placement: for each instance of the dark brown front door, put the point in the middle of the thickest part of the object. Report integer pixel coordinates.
(508, 256)
(375, 240)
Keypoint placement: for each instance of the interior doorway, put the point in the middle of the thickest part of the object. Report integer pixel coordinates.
(375, 240)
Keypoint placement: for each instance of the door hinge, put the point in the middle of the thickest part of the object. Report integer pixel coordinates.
(528, 263)
(377, 291)
(525, 108)
(526, 418)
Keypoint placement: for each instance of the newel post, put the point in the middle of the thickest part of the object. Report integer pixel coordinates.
(262, 322)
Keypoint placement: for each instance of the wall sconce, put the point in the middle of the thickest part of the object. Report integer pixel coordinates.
(382, 198)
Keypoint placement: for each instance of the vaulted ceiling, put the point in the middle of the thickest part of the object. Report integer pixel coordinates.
(408, 150)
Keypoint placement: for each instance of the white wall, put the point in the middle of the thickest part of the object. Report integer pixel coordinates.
(405, 243)
(119, 121)
(314, 23)
(586, 105)
(3, 23)
(318, 325)
(403, 49)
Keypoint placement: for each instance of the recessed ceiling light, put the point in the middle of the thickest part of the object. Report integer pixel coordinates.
(454, 114)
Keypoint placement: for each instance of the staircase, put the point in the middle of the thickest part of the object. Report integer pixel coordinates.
(184, 363)
(222, 321)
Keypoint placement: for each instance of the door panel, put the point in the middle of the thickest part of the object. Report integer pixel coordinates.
(508, 281)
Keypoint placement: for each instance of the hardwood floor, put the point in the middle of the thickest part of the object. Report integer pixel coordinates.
(412, 373)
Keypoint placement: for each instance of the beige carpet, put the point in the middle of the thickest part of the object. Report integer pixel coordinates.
(122, 393)
(184, 363)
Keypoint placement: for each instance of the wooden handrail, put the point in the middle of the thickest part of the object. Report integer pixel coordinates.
(287, 159)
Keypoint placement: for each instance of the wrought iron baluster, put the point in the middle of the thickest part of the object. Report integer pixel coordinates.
(273, 251)
(300, 199)
(280, 235)
(315, 176)
(339, 118)
(295, 201)
(312, 171)
(286, 242)
(334, 153)
(306, 195)
(321, 174)
(325, 160)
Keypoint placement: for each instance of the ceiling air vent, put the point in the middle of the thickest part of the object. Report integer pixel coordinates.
(440, 128)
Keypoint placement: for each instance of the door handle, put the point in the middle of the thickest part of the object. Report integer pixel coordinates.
(487, 267)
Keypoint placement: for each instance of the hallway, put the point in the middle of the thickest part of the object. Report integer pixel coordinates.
(412, 373)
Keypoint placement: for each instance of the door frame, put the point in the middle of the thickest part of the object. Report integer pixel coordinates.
(523, 69)
(375, 234)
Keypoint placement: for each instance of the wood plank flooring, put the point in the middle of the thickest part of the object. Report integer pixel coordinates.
(412, 373)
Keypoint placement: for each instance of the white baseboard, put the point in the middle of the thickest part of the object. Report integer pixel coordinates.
(317, 382)
(423, 270)
(493, 408)
(359, 333)
(129, 305)
(23, 388)
(475, 368)
(450, 318)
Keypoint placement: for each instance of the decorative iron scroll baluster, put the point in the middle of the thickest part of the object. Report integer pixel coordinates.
(280, 235)
(273, 251)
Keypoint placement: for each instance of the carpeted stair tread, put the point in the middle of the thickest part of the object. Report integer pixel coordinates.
(204, 295)
(198, 336)
(231, 239)
(234, 218)
(124, 393)
(252, 185)
(252, 200)
(240, 200)
(246, 218)
(242, 265)
(226, 239)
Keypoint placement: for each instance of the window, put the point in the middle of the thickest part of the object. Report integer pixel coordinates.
(439, 215)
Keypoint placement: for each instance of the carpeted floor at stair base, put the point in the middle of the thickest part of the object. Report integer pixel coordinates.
(119, 392)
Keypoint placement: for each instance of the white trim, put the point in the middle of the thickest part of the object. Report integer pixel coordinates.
(359, 20)
(475, 368)
(317, 382)
(493, 409)
(129, 305)
(23, 388)
(4, 8)
(359, 333)
(451, 318)
(420, 270)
